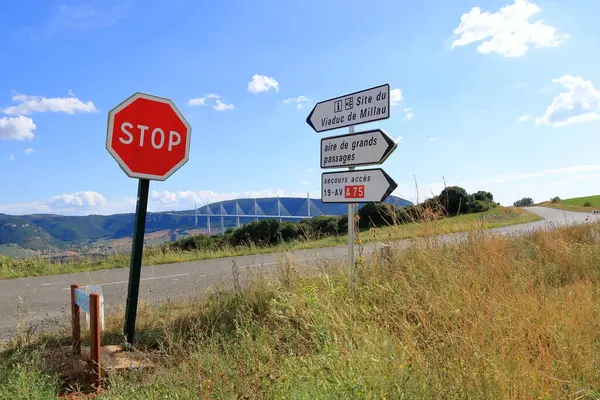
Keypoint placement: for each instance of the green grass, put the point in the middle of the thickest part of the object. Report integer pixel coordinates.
(153, 255)
(488, 318)
(580, 201)
(575, 204)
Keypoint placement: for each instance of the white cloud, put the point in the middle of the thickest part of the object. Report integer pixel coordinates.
(305, 183)
(220, 106)
(399, 139)
(509, 31)
(408, 114)
(395, 97)
(16, 128)
(262, 83)
(11, 157)
(29, 150)
(580, 103)
(434, 139)
(78, 203)
(310, 170)
(201, 101)
(300, 101)
(68, 105)
(525, 118)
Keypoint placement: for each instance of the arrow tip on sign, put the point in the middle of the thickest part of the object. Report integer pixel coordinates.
(308, 121)
(391, 188)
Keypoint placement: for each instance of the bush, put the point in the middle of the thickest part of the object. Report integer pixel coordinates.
(377, 214)
(524, 202)
(200, 242)
(320, 226)
(456, 200)
(587, 204)
(555, 200)
(484, 196)
(265, 232)
(289, 231)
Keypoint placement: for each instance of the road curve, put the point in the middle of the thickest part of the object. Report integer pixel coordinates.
(43, 303)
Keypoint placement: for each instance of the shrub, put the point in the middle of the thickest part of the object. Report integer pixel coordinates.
(484, 196)
(555, 200)
(587, 204)
(289, 231)
(524, 202)
(456, 200)
(377, 214)
(200, 242)
(265, 232)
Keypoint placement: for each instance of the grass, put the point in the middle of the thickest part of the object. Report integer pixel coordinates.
(581, 201)
(487, 318)
(154, 255)
(581, 204)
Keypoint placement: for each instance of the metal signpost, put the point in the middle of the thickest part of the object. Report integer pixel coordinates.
(371, 147)
(150, 140)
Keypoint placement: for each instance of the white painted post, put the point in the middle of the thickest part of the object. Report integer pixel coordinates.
(351, 234)
(308, 203)
(237, 215)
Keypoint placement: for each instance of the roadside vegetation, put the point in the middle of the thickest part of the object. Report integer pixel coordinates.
(491, 317)
(581, 204)
(453, 211)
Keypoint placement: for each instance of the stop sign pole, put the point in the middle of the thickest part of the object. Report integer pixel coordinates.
(150, 140)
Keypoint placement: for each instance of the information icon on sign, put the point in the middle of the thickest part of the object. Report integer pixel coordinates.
(337, 106)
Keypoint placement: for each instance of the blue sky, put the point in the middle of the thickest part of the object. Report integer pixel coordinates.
(503, 97)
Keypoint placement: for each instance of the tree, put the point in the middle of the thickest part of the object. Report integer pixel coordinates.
(484, 196)
(555, 200)
(456, 201)
(524, 202)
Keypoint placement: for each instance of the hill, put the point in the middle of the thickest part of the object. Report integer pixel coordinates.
(52, 234)
(583, 204)
(582, 201)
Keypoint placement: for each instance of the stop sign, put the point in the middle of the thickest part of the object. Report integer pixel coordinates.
(148, 136)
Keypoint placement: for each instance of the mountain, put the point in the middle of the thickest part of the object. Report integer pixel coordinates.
(48, 233)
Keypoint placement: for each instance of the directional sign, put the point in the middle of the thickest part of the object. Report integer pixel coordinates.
(148, 137)
(362, 148)
(352, 109)
(360, 186)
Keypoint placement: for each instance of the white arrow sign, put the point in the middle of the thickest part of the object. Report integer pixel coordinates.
(361, 186)
(362, 148)
(352, 109)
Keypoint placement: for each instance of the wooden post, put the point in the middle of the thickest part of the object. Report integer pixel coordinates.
(95, 339)
(75, 322)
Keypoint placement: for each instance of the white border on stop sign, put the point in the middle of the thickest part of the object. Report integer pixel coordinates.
(110, 127)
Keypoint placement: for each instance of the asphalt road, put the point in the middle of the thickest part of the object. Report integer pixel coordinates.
(43, 303)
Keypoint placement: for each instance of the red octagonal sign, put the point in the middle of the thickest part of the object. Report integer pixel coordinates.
(148, 136)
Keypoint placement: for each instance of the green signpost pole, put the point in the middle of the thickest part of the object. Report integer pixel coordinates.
(135, 268)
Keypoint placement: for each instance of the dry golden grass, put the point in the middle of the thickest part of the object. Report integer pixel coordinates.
(487, 318)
